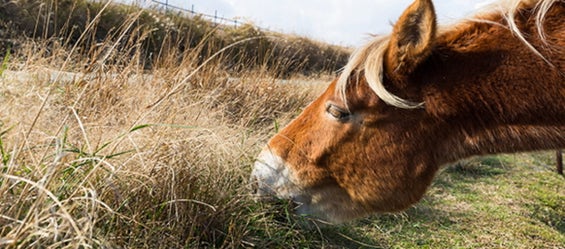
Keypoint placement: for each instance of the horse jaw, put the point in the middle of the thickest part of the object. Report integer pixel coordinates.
(326, 204)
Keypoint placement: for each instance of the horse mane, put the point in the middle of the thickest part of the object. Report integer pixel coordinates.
(369, 58)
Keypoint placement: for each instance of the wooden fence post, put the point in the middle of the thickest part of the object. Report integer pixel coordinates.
(559, 157)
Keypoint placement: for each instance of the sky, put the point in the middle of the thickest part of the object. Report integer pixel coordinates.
(341, 22)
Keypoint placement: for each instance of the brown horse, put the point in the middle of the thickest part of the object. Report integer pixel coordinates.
(417, 99)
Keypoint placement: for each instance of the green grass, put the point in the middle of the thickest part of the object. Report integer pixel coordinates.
(5, 60)
(506, 201)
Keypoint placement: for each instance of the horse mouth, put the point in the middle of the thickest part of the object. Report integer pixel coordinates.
(297, 210)
(274, 184)
(310, 208)
(272, 181)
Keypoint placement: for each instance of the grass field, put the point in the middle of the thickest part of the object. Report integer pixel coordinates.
(99, 152)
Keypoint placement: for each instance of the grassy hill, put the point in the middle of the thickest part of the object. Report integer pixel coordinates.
(104, 146)
(154, 36)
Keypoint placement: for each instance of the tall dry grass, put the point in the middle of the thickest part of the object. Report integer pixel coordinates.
(98, 152)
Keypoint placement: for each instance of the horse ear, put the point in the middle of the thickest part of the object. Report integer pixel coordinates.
(412, 38)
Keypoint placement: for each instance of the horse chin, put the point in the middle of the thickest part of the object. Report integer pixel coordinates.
(318, 208)
(329, 205)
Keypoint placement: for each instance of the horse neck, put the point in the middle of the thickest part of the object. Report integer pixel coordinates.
(492, 94)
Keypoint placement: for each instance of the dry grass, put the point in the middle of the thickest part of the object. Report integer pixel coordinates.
(111, 155)
(117, 157)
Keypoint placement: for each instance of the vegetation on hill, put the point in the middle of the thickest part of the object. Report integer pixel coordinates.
(98, 150)
(158, 35)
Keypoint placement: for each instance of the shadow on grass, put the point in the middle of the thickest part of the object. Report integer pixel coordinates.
(419, 226)
(550, 200)
(349, 237)
(477, 168)
(550, 216)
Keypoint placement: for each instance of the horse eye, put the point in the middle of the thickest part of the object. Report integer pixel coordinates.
(337, 113)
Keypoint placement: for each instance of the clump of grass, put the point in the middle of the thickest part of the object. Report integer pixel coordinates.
(114, 155)
(5, 60)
